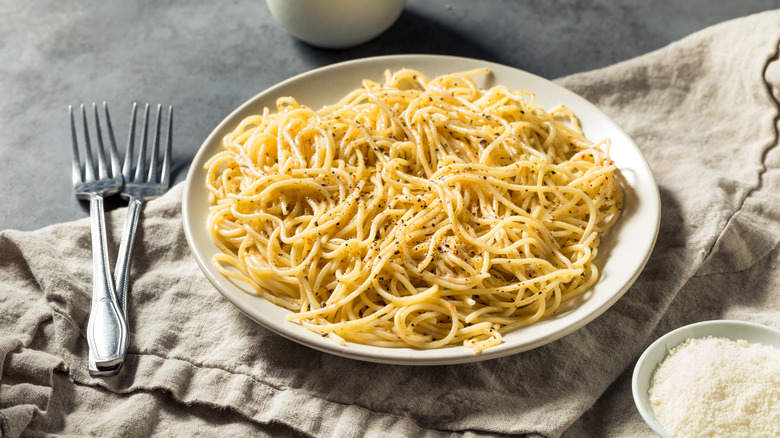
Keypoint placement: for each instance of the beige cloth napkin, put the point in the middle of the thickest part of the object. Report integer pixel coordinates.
(703, 110)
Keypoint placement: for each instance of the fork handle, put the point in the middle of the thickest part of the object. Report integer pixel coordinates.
(122, 270)
(107, 329)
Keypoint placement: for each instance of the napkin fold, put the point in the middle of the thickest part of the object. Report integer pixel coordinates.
(703, 110)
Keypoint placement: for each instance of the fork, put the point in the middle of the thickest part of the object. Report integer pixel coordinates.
(140, 185)
(107, 328)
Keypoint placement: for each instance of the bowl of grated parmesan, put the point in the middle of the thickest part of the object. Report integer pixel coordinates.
(712, 378)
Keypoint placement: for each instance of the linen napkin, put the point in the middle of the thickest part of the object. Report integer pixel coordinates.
(703, 110)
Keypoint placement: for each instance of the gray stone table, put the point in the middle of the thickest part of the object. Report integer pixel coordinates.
(206, 58)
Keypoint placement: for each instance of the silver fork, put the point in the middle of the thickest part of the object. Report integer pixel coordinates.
(141, 185)
(147, 181)
(107, 328)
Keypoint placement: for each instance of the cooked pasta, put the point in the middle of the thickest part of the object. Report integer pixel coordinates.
(415, 212)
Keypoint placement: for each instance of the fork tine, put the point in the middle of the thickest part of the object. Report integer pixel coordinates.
(89, 168)
(127, 167)
(112, 150)
(140, 169)
(155, 147)
(76, 171)
(101, 150)
(165, 178)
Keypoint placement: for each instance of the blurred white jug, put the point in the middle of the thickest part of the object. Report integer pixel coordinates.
(335, 24)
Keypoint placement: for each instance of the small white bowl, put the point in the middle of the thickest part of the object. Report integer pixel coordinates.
(335, 24)
(658, 350)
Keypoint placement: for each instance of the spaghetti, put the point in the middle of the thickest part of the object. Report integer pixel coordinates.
(414, 212)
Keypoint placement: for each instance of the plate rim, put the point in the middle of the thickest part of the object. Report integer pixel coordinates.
(408, 356)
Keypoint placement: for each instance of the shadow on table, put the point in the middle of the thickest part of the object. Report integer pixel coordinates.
(411, 34)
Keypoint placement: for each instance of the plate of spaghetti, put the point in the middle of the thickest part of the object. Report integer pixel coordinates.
(420, 210)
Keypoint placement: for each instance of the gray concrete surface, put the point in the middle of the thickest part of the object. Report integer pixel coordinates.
(206, 58)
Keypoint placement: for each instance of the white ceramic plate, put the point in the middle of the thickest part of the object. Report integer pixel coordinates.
(622, 255)
(657, 351)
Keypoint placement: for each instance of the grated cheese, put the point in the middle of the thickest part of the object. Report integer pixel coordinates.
(716, 387)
